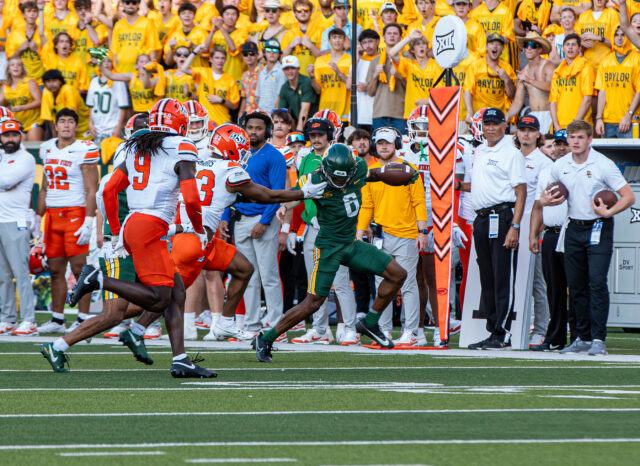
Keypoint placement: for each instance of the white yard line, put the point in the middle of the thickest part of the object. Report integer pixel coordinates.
(241, 460)
(321, 443)
(332, 413)
(112, 453)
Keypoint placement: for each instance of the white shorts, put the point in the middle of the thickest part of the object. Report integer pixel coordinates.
(546, 123)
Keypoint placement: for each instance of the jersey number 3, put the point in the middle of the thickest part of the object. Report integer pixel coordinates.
(142, 165)
(207, 183)
(351, 204)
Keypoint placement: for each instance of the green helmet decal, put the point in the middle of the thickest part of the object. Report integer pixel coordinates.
(338, 165)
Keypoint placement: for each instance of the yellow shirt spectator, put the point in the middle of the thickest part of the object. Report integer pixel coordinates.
(205, 13)
(499, 21)
(164, 27)
(83, 43)
(419, 81)
(72, 68)
(302, 53)
(334, 95)
(364, 12)
(68, 97)
(569, 85)
(19, 95)
(604, 27)
(427, 29)
(486, 87)
(176, 86)
(225, 87)
(443, 8)
(460, 72)
(196, 37)
(129, 41)
(142, 100)
(383, 202)
(31, 59)
(620, 82)
(476, 36)
(53, 26)
(234, 65)
(536, 14)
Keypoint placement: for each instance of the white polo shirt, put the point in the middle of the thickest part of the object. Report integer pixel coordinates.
(496, 171)
(552, 216)
(534, 163)
(17, 172)
(584, 180)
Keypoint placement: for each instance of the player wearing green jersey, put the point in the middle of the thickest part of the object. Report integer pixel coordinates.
(336, 244)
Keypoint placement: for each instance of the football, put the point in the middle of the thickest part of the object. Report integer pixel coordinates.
(556, 187)
(606, 196)
(396, 174)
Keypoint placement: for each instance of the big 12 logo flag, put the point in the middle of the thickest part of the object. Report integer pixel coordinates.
(443, 113)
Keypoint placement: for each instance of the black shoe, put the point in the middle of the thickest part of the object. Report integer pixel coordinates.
(186, 369)
(541, 347)
(87, 282)
(496, 344)
(374, 333)
(480, 345)
(263, 348)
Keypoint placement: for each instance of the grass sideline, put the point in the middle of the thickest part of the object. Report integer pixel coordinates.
(320, 408)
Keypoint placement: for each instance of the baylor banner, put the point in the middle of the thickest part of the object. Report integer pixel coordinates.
(444, 109)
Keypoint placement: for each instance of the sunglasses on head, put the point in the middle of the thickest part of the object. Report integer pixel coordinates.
(270, 10)
(182, 54)
(302, 10)
(248, 54)
(270, 50)
(531, 45)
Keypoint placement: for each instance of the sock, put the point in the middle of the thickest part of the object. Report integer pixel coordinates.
(340, 328)
(137, 329)
(372, 318)
(60, 345)
(271, 335)
(189, 319)
(82, 316)
(240, 321)
(57, 317)
(227, 319)
(180, 357)
(100, 279)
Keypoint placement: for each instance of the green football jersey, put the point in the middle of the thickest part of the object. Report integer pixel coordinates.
(123, 211)
(310, 163)
(338, 209)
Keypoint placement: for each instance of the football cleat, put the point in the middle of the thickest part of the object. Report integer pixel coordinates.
(136, 344)
(116, 331)
(6, 328)
(263, 348)
(186, 369)
(88, 281)
(57, 359)
(299, 327)
(52, 327)
(374, 333)
(26, 328)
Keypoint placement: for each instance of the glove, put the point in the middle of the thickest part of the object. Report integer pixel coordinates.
(84, 232)
(313, 191)
(314, 223)
(416, 174)
(35, 227)
(458, 237)
(118, 250)
(292, 240)
(430, 243)
(203, 237)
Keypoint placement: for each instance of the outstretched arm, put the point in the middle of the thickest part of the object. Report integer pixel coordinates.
(118, 182)
(186, 174)
(258, 193)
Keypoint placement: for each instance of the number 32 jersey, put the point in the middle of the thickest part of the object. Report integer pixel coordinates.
(63, 169)
(154, 185)
(338, 208)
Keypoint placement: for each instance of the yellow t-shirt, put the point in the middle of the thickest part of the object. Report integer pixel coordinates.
(476, 37)
(498, 21)
(427, 29)
(571, 3)
(303, 54)
(620, 81)
(604, 26)
(53, 25)
(175, 86)
(633, 7)
(83, 43)
(460, 72)
(443, 8)
(410, 12)
(68, 97)
(129, 41)
(33, 65)
(569, 85)
(142, 100)
(21, 95)
(539, 16)
(334, 95)
(164, 28)
(197, 36)
(205, 13)
(419, 81)
(364, 12)
(225, 87)
(486, 87)
(73, 69)
(235, 64)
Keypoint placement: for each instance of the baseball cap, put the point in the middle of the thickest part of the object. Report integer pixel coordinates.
(272, 44)
(495, 36)
(344, 3)
(529, 121)
(494, 115)
(385, 134)
(561, 135)
(290, 62)
(388, 6)
(250, 47)
(461, 1)
(318, 125)
(8, 126)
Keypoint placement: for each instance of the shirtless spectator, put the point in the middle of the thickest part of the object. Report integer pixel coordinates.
(534, 80)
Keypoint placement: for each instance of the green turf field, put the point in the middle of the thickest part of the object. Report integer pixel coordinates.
(326, 407)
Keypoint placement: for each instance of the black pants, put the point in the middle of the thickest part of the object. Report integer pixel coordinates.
(586, 267)
(364, 288)
(497, 266)
(556, 280)
(293, 276)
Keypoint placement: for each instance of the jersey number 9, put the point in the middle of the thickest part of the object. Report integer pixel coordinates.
(142, 165)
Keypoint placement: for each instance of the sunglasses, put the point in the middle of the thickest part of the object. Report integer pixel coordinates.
(338, 7)
(302, 10)
(295, 137)
(531, 45)
(248, 54)
(131, 2)
(182, 54)
(270, 50)
(270, 10)
(280, 110)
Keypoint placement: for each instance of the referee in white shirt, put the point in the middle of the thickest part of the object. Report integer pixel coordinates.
(498, 193)
(17, 172)
(588, 240)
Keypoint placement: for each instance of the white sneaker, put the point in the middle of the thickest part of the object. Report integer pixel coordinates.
(6, 328)
(340, 332)
(421, 338)
(116, 331)
(76, 323)
(299, 327)
(224, 329)
(406, 339)
(52, 327)
(190, 332)
(436, 337)
(152, 333)
(388, 335)
(26, 329)
(312, 336)
(350, 338)
(536, 339)
(454, 326)
(203, 321)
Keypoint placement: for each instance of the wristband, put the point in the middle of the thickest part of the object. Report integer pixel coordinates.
(424, 232)
(285, 228)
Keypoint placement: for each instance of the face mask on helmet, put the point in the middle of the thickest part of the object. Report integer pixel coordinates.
(418, 130)
(198, 128)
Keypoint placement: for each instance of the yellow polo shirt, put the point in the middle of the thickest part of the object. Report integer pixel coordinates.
(569, 85)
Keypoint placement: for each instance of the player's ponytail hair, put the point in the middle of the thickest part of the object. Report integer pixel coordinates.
(147, 144)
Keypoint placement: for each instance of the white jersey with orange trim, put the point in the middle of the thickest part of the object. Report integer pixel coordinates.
(288, 155)
(63, 169)
(154, 185)
(465, 210)
(202, 145)
(213, 176)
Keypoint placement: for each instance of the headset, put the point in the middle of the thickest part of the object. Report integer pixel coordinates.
(326, 125)
(264, 116)
(397, 141)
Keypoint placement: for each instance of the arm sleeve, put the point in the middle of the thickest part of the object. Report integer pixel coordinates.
(296, 220)
(418, 200)
(20, 171)
(226, 215)
(189, 190)
(366, 210)
(118, 182)
(588, 79)
(277, 180)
